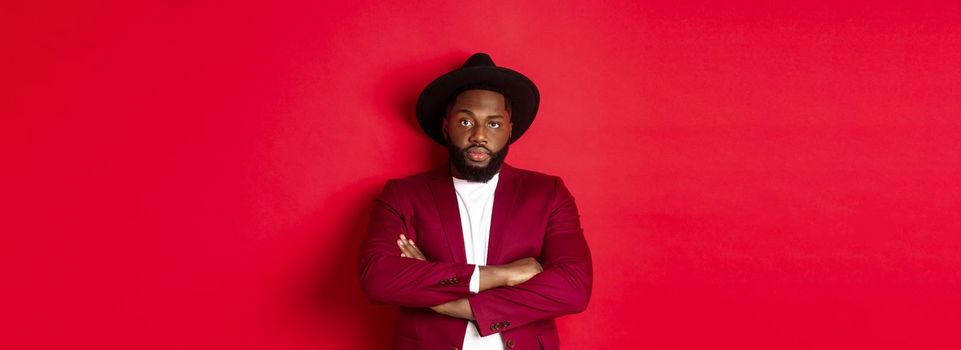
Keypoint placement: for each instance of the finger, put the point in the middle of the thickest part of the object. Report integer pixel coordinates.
(410, 242)
(404, 249)
(413, 246)
(411, 253)
(407, 242)
(417, 253)
(409, 249)
(403, 240)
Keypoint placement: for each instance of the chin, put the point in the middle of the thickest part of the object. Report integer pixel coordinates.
(476, 171)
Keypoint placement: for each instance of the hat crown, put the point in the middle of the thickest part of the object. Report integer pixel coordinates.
(479, 59)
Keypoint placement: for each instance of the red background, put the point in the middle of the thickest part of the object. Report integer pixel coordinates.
(197, 175)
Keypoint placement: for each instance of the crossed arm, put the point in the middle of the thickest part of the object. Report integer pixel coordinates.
(557, 283)
(495, 276)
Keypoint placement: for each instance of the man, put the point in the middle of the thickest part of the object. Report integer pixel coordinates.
(479, 254)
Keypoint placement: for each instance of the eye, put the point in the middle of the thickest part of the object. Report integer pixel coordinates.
(494, 125)
(465, 122)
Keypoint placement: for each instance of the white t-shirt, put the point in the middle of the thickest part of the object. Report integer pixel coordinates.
(476, 203)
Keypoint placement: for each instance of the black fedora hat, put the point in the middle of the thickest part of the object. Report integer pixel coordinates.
(479, 72)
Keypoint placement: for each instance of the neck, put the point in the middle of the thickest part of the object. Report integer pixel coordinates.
(457, 174)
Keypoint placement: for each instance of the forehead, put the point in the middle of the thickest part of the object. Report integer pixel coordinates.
(480, 102)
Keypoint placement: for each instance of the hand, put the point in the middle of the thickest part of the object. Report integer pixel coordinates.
(520, 271)
(408, 249)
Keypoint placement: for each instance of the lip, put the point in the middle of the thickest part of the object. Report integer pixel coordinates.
(478, 149)
(482, 154)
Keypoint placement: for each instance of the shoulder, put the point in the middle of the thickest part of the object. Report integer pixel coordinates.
(528, 175)
(538, 182)
(401, 192)
(413, 182)
(529, 178)
(444, 174)
(532, 178)
(540, 187)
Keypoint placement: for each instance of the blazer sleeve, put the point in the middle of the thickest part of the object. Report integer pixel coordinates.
(388, 278)
(564, 287)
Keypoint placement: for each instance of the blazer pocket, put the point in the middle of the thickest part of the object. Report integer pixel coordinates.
(405, 343)
(549, 341)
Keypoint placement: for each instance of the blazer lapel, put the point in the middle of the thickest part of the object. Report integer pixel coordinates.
(508, 186)
(445, 200)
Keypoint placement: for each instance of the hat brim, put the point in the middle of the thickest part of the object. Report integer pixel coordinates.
(431, 105)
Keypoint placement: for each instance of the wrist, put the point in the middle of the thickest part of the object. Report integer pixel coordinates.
(441, 308)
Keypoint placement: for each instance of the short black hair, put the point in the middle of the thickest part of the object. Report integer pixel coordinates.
(453, 97)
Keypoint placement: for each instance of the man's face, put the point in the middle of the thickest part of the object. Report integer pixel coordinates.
(478, 128)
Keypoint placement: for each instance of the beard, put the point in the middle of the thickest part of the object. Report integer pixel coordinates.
(458, 157)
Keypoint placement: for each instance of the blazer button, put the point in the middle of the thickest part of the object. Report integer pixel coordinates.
(507, 323)
(494, 326)
(510, 343)
(455, 280)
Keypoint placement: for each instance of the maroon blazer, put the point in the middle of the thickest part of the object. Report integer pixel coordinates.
(534, 215)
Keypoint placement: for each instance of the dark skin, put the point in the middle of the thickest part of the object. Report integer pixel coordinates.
(480, 122)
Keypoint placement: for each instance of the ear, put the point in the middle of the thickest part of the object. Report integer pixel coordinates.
(443, 129)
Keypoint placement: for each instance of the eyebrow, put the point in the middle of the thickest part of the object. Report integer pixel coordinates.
(493, 116)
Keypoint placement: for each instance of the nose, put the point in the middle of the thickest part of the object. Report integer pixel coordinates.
(478, 136)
